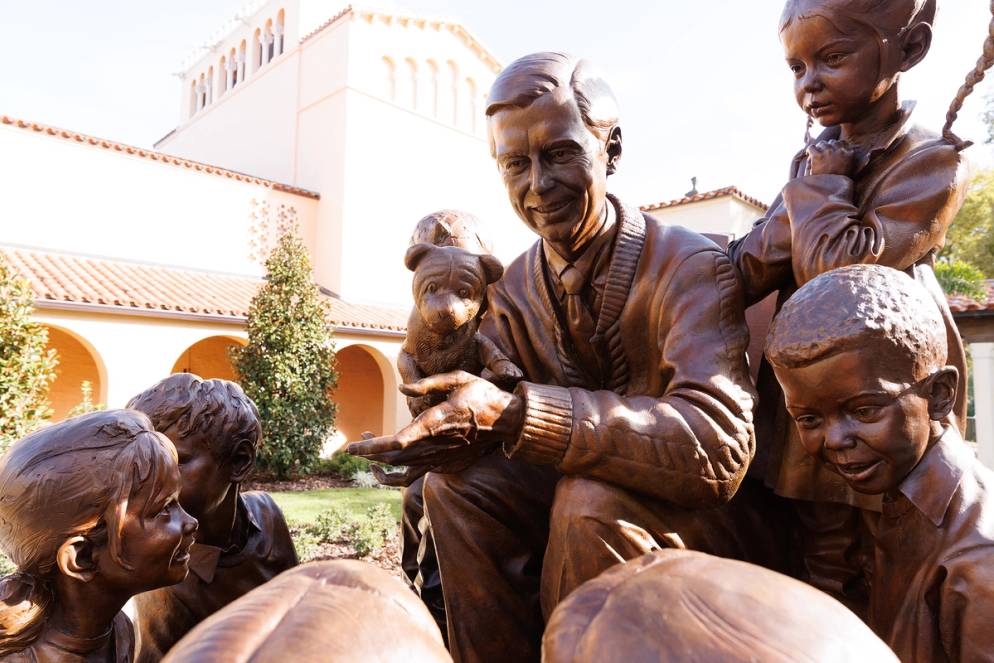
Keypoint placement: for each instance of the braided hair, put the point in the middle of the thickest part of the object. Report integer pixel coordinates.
(972, 79)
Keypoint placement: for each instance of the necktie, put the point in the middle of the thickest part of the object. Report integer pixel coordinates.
(580, 321)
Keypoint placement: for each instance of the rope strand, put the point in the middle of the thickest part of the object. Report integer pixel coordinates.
(972, 80)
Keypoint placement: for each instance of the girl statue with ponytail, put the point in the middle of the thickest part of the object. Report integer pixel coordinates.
(872, 188)
(90, 517)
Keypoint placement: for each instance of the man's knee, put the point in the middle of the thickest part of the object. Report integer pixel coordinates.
(584, 505)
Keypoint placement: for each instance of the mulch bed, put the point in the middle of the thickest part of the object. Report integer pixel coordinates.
(387, 559)
(297, 485)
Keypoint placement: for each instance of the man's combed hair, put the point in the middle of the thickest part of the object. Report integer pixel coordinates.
(526, 79)
(217, 409)
(853, 307)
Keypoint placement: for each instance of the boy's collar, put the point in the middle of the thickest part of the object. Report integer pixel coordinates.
(204, 559)
(931, 485)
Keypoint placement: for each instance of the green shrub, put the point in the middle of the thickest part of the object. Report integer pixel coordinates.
(343, 465)
(958, 277)
(372, 532)
(288, 365)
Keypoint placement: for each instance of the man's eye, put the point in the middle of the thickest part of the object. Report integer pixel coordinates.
(808, 421)
(514, 165)
(560, 156)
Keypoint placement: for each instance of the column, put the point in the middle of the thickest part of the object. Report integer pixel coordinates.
(267, 47)
(983, 395)
(278, 30)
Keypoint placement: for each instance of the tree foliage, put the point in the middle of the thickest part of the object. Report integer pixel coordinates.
(27, 368)
(961, 278)
(288, 365)
(971, 236)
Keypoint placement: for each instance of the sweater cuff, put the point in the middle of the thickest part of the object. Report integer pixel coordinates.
(548, 424)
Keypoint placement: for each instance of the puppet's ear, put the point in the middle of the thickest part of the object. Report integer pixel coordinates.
(75, 558)
(415, 254)
(492, 267)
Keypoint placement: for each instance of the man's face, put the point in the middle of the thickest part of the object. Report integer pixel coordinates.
(862, 413)
(554, 168)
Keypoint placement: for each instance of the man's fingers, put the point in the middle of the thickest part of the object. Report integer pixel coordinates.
(442, 383)
(374, 445)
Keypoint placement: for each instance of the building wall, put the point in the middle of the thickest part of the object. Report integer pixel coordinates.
(72, 196)
(723, 215)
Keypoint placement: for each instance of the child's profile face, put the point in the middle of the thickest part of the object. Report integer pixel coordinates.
(838, 75)
(156, 535)
(205, 481)
(862, 413)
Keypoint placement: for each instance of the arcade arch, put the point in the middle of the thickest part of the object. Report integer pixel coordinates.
(78, 362)
(366, 391)
(209, 358)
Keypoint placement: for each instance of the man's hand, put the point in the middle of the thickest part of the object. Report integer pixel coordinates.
(452, 435)
(831, 157)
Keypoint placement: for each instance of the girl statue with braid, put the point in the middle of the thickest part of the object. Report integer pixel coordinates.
(89, 514)
(873, 188)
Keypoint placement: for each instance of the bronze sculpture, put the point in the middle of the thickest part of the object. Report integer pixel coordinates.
(861, 354)
(89, 514)
(872, 188)
(632, 339)
(243, 540)
(678, 605)
(322, 612)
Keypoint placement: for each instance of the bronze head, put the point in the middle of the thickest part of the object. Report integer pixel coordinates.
(861, 355)
(553, 128)
(215, 428)
(90, 500)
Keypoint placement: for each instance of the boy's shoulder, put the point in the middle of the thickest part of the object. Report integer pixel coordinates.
(263, 511)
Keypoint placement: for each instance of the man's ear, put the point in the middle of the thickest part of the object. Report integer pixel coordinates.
(916, 44)
(613, 149)
(940, 390)
(416, 254)
(75, 558)
(242, 460)
(492, 267)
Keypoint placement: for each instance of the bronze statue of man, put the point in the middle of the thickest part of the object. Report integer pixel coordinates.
(633, 426)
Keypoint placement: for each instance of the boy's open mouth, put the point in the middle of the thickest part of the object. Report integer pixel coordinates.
(858, 470)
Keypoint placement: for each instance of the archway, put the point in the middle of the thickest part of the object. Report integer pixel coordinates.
(78, 363)
(209, 358)
(359, 395)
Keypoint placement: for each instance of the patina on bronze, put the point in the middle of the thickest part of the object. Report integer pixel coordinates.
(873, 188)
(632, 339)
(243, 540)
(323, 612)
(861, 354)
(678, 605)
(89, 514)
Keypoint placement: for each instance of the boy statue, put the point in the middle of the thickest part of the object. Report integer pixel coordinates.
(243, 540)
(861, 355)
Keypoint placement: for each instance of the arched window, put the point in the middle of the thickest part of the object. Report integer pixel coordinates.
(433, 100)
(268, 44)
(453, 89)
(232, 69)
(201, 93)
(412, 76)
(222, 76)
(256, 50)
(193, 98)
(278, 31)
(241, 61)
(471, 106)
(389, 79)
(210, 85)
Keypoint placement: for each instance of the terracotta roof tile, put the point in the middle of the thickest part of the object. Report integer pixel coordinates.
(960, 304)
(155, 156)
(60, 277)
(710, 195)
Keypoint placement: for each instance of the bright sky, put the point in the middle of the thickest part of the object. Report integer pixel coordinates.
(702, 84)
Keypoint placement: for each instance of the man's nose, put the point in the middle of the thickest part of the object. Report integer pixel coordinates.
(539, 179)
(840, 435)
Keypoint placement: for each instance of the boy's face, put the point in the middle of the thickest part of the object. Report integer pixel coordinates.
(838, 76)
(205, 480)
(863, 413)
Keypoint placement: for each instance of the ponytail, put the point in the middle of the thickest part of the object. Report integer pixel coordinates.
(972, 79)
(25, 600)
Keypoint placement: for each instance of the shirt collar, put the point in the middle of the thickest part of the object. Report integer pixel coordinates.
(874, 144)
(930, 487)
(585, 263)
(204, 559)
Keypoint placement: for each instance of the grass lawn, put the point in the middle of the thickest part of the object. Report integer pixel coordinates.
(304, 507)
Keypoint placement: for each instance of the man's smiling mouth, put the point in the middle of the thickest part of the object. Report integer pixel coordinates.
(552, 207)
